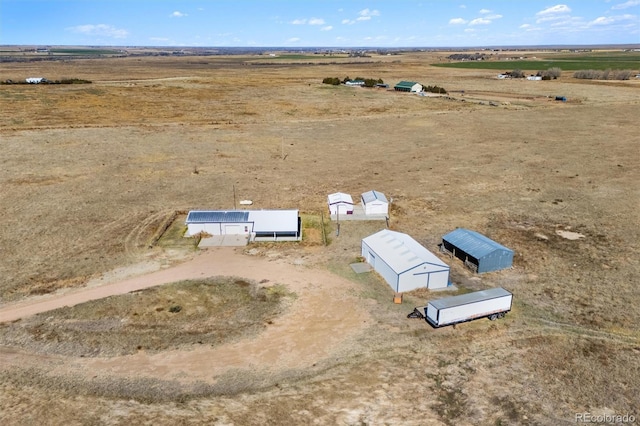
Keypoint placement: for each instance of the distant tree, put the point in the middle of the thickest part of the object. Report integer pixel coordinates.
(370, 82)
(622, 75)
(331, 80)
(434, 89)
(550, 73)
(517, 73)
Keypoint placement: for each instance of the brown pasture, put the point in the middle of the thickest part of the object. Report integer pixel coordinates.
(90, 173)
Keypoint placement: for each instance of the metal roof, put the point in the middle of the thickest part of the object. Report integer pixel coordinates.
(216, 216)
(370, 196)
(406, 84)
(339, 197)
(473, 243)
(463, 299)
(402, 253)
(274, 220)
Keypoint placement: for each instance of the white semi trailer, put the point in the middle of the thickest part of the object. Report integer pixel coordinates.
(493, 304)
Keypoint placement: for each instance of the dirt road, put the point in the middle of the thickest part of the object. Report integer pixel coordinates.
(322, 317)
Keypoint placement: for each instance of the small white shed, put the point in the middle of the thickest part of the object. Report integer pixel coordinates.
(340, 203)
(375, 203)
(403, 262)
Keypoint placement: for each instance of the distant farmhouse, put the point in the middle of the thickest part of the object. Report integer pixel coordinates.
(408, 86)
(36, 80)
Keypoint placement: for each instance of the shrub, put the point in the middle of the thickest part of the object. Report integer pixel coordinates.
(331, 80)
(517, 73)
(434, 89)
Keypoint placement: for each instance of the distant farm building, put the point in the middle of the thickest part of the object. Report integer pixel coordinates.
(340, 203)
(403, 262)
(408, 86)
(256, 225)
(374, 203)
(36, 80)
(478, 252)
(355, 83)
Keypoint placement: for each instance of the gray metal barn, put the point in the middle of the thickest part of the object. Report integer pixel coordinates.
(477, 251)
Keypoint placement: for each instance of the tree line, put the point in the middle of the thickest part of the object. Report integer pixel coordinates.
(368, 82)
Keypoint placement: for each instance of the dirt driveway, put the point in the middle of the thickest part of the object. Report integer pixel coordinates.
(323, 316)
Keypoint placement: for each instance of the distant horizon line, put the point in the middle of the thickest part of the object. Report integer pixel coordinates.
(522, 46)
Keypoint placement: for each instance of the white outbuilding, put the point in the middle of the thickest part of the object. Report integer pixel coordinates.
(403, 262)
(256, 225)
(374, 203)
(340, 203)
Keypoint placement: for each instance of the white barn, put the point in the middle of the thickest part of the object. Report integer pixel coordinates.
(375, 203)
(257, 225)
(340, 203)
(403, 262)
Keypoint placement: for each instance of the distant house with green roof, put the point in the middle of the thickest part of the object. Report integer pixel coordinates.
(408, 86)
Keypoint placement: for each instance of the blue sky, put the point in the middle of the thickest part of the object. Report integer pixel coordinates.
(323, 23)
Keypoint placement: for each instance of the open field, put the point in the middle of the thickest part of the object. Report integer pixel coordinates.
(91, 173)
(562, 60)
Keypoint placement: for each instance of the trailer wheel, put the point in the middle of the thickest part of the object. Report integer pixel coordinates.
(501, 315)
(493, 317)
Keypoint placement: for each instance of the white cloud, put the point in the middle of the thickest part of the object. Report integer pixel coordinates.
(554, 13)
(626, 5)
(480, 21)
(607, 20)
(602, 20)
(462, 6)
(293, 40)
(348, 21)
(367, 14)
(158, 39)
(554, 10)
(101, 30)
(484, 11)
(457, 21)
(493, 16)
(178, 14)
(327, 28)
(311, 21)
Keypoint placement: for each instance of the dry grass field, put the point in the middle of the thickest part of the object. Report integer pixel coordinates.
(90, 173)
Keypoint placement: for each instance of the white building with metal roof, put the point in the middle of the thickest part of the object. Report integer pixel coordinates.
(403, 262)
(340, 203)
(257, 225)
(374, 203)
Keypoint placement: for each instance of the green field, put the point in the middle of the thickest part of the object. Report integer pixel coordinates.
(622, 61)
(84, 51)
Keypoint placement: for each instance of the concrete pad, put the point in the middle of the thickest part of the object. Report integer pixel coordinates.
(224, 241)
(361, 267)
